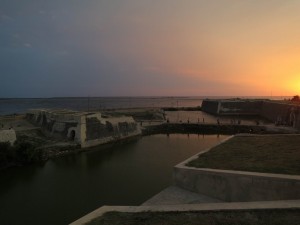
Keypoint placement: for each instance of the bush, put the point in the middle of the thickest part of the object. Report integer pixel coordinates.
(21, 153)
(27, 152)
(7, 154)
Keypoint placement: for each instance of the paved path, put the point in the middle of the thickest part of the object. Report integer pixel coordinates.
(174, 196)
(291, 204)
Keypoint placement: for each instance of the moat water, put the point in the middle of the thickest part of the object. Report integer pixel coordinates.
(65, 189)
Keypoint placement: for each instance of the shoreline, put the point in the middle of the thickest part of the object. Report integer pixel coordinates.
(151, 120)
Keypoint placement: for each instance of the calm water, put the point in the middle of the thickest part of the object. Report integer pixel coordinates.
(64, 189)
(10, 106)
(21, 105)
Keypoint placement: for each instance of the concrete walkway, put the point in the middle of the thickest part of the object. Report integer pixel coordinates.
(174, 195)
(292, 204)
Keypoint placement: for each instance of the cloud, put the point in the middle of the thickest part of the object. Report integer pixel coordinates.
(16, 36)
(171, 47)
(153, 69)
(27, 45)
(62, 53)
(5, 17)
(42, 12)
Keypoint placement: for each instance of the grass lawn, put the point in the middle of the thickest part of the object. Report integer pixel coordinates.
(267, 154)
(247, 217)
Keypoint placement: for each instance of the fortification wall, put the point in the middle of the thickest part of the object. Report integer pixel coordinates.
(86, 129)
(277, 112)
(8, 136)
(272, 110)
(100, 131)
(210, 106)
(281, 112)
(56, 125)
(232, 107)
(245, 107)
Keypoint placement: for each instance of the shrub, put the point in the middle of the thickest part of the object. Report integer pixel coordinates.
(7, 154)
(27, 152)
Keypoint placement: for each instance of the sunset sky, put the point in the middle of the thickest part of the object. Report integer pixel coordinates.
(56, 48)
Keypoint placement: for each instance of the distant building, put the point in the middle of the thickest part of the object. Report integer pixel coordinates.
(87, 129)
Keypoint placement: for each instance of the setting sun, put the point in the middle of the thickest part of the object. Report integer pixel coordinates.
(296, 86)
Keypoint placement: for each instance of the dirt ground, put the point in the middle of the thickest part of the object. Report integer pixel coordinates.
(18, 123)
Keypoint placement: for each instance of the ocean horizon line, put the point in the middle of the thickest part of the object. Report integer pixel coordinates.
(166, 96)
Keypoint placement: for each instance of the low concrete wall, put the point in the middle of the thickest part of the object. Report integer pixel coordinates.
(234, 186)
(233, 206)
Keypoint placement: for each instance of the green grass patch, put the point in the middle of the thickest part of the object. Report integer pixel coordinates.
(267, 154)
(245, 217)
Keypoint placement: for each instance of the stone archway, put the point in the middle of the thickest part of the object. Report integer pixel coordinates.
(72, 135)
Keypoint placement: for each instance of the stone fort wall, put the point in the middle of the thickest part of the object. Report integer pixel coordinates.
(87, 129)
(8, 136)
(277, 112)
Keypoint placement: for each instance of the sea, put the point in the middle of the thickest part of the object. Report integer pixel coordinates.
(21, 105)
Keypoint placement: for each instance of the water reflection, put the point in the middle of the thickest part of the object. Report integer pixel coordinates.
(205, 118)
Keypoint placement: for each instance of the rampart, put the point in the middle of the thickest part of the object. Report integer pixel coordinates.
(232, 106)
(210, 106)
(8, 136)
(280, 113)
(86, 129)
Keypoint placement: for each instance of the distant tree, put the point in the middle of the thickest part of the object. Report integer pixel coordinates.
(295, 98)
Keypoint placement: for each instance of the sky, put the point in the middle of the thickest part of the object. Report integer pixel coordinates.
(58, 48)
